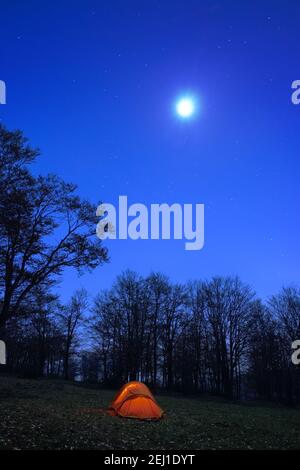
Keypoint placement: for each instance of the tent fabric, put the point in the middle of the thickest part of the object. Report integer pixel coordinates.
(134, 400)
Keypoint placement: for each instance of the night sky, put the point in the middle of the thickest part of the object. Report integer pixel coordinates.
(94, 85)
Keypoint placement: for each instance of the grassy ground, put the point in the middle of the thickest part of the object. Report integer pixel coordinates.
(57, 415)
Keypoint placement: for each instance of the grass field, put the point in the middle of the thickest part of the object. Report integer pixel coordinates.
(57, 415)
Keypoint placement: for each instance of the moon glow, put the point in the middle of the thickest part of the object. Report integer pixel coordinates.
(185, 107)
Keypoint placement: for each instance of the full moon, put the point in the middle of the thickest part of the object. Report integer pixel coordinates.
(185, 107)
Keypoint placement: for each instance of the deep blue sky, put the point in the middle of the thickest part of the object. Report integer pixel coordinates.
(93, 84)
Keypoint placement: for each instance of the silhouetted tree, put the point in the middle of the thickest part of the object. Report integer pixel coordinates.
(44, 227)
(71, 317)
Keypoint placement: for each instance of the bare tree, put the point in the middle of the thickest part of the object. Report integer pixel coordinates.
(158, 288)
(44, 227)
(71, 317)
(228, 311)
(173, 323)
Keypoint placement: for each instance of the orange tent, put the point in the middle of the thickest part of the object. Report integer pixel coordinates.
(134, 400)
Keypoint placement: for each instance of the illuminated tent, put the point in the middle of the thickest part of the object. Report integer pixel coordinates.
(134, 400)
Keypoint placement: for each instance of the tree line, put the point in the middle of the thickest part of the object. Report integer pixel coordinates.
(202, 337)
(214, 336)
